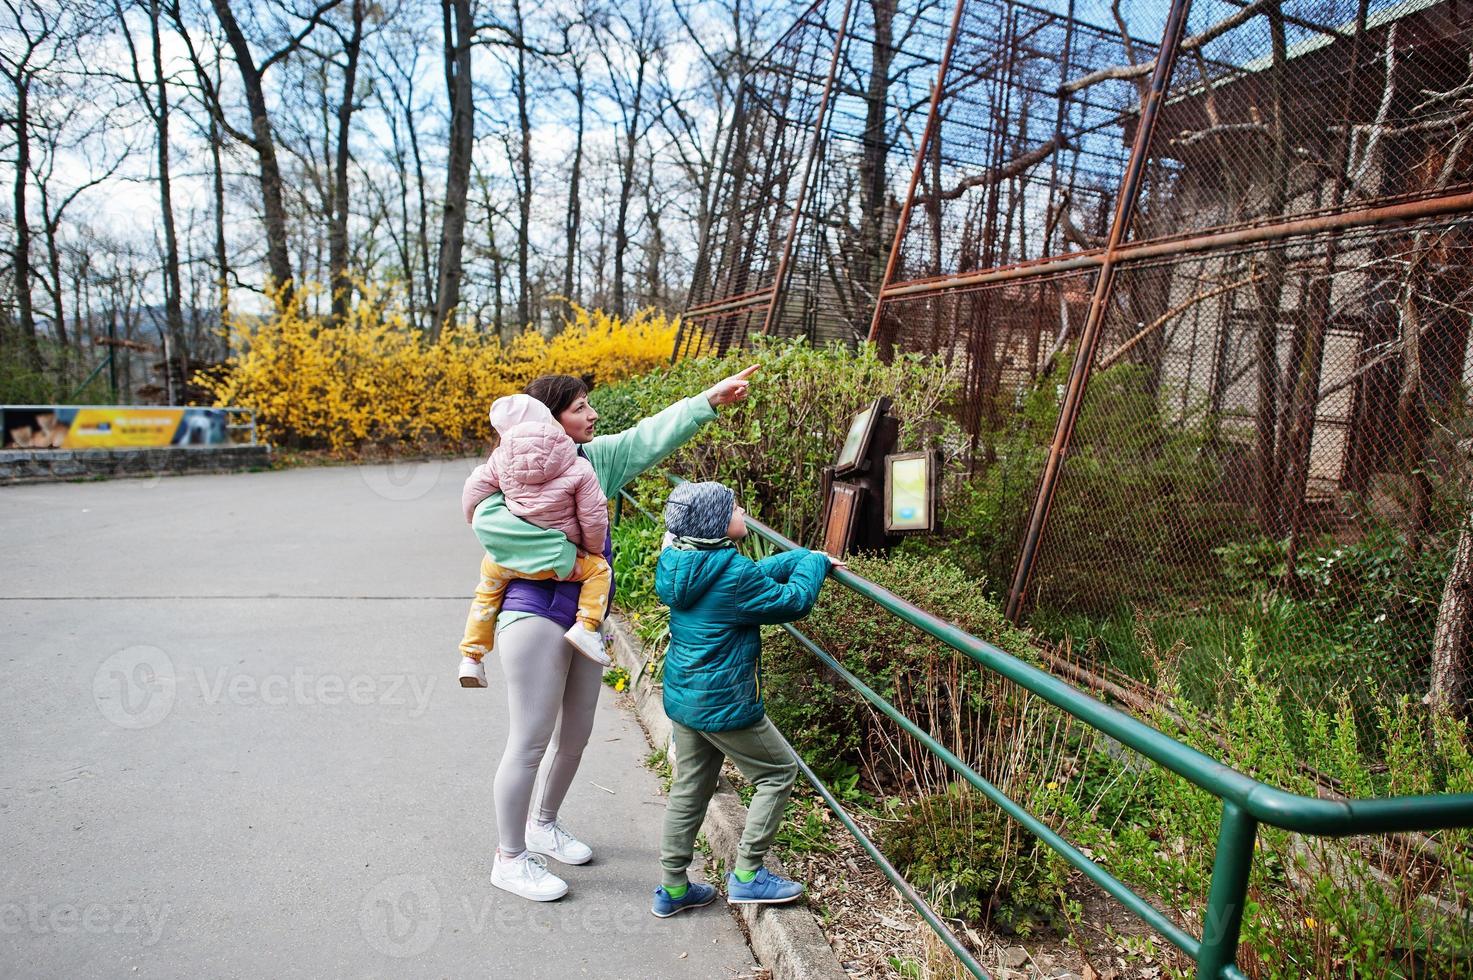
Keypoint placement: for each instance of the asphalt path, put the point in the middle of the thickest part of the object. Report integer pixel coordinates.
(234, 746)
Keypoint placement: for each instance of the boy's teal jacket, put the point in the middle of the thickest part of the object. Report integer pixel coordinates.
(718, 601)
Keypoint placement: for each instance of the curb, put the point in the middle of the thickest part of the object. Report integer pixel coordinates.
(787, 941)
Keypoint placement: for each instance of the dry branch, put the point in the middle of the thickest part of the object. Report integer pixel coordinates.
(1012, 168)
(1129, 72)
(1173, 313)
(1192, 137)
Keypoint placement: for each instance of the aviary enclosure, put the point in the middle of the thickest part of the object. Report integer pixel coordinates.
(1207, 294)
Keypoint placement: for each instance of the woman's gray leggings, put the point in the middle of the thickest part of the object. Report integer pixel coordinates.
(552, 692)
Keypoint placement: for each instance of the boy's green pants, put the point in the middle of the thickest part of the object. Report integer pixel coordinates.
(763, 760)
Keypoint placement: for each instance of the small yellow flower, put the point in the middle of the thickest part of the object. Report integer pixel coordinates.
(1309, 921)
(1053, 785)
(619, 684)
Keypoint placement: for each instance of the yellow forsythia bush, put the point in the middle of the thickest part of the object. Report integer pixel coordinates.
(374, 378)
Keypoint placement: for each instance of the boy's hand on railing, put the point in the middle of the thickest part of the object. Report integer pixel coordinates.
(733, 389)
(835, 563)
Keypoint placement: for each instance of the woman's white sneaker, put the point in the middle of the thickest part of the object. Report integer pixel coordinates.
(527, 876)
(590, 643)
(472, 673)
(556, 843)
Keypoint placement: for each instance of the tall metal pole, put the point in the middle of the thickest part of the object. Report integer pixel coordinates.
(932, 118)
(1089, 337)
(780, 280)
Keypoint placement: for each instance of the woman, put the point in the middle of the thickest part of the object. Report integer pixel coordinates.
(552, 692)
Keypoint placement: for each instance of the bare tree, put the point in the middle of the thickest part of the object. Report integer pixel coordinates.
(574, 218)
(261, 138)
(632, 61)
(36, 36)
(153, 95)
(459, 32)
(342, 283)
(399, 72)
(511, 38)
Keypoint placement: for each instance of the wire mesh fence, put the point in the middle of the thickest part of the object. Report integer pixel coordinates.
(1270, 445)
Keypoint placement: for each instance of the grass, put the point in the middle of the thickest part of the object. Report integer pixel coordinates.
(1312, 658)
(657, 763)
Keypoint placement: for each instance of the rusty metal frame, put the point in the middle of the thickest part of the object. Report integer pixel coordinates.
(1125, 206)
(1400, 212)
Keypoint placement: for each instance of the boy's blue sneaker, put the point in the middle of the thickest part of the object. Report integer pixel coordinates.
(695, 896)
(765, 889)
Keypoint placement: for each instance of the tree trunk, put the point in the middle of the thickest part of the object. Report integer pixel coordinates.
(337, 247)
(575, 204)
(1445, 692)
(1304, 394)
(626, 188)
(524, 177)
(404, 240)
(273, 208)
(50, 227)
(456, 15)
(424, 208)
(222, 258)
(1269, 294)
(22, 253)
(173, 309)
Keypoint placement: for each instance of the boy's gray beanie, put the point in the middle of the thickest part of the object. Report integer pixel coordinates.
(699, 510)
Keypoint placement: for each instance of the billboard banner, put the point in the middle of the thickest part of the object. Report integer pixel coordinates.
(115, 427)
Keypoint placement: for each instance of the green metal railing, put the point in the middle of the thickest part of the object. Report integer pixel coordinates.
(1246, 802)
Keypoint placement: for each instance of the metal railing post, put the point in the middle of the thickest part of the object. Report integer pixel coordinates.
(1223, 918)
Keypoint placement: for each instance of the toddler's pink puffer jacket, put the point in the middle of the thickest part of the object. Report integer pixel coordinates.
(544, 480)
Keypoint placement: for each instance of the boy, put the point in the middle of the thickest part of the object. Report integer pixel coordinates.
(718, 600)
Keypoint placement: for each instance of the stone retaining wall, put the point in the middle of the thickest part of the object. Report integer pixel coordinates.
(50, 465)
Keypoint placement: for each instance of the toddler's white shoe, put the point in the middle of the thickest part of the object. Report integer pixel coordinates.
(527, 876)
(590, 643)
(472, 673)
(555, 842)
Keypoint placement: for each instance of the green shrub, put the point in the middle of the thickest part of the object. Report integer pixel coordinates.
(945, 692)
(1377, 610)
(1317, 907)
(968, 856)
(771, 448)
(636, 551)
(21, 384)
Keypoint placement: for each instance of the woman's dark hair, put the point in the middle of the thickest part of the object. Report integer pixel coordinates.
(557, 391)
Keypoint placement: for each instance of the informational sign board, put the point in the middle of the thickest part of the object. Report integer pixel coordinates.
(857, 442)
(910, 492)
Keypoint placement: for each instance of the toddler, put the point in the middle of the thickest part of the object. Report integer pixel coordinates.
(546, 482)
